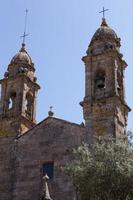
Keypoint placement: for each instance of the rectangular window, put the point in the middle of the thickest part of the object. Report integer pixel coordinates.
(48, 168)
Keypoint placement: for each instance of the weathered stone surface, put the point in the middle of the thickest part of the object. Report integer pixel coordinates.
(22, 154)
(104, 107)
(51, 141)
(6, 164)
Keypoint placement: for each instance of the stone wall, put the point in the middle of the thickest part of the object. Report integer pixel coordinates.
(6, 168)
(50, 141)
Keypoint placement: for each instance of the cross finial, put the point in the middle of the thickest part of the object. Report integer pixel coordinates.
(25, 26)
(103, 11)
(51, 113)
(51, 107)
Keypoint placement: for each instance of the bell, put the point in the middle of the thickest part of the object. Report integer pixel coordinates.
(100, 84)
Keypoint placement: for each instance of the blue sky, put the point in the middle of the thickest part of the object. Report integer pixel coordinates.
(59, 33)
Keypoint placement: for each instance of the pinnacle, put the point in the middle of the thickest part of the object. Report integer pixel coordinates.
(23, 48)
(104, 23)
(46, 189)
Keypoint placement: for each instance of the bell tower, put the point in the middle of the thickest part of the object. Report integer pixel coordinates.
(18, 94)
(104, 107)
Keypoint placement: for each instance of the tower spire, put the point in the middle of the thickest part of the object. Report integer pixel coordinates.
(25, 26)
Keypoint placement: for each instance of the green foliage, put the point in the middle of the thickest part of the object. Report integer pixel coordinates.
(103, 170)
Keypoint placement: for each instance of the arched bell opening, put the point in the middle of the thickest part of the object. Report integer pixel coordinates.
(11, 101)
(99, 84)
(29, 105)
(100, 80)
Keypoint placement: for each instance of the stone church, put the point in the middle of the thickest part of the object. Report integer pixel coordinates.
(30, 151)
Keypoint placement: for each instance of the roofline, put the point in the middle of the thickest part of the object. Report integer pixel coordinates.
(47, 118)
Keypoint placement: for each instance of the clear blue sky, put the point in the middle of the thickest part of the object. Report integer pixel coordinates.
(59, 33)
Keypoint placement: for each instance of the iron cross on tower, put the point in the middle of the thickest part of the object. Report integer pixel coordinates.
(25, 26)
(103, 11)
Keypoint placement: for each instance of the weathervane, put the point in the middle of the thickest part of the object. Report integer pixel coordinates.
(25, 26)
(103, 11)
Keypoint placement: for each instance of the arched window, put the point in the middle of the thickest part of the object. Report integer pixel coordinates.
(11, 100)
(29, 104)
(100, 80)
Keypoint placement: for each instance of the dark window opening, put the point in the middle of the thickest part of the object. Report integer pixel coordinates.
(109, 46)
(48, 168)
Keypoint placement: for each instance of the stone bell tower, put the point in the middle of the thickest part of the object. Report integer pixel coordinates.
(104, 107)
(18, 94)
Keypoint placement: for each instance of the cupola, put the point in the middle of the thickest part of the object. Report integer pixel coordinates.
(104, 38)
(22, 57)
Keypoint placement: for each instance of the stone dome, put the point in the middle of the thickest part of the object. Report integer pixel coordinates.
(22, 56)
(104, 32)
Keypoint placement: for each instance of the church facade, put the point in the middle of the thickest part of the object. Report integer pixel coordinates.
(29, 151)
